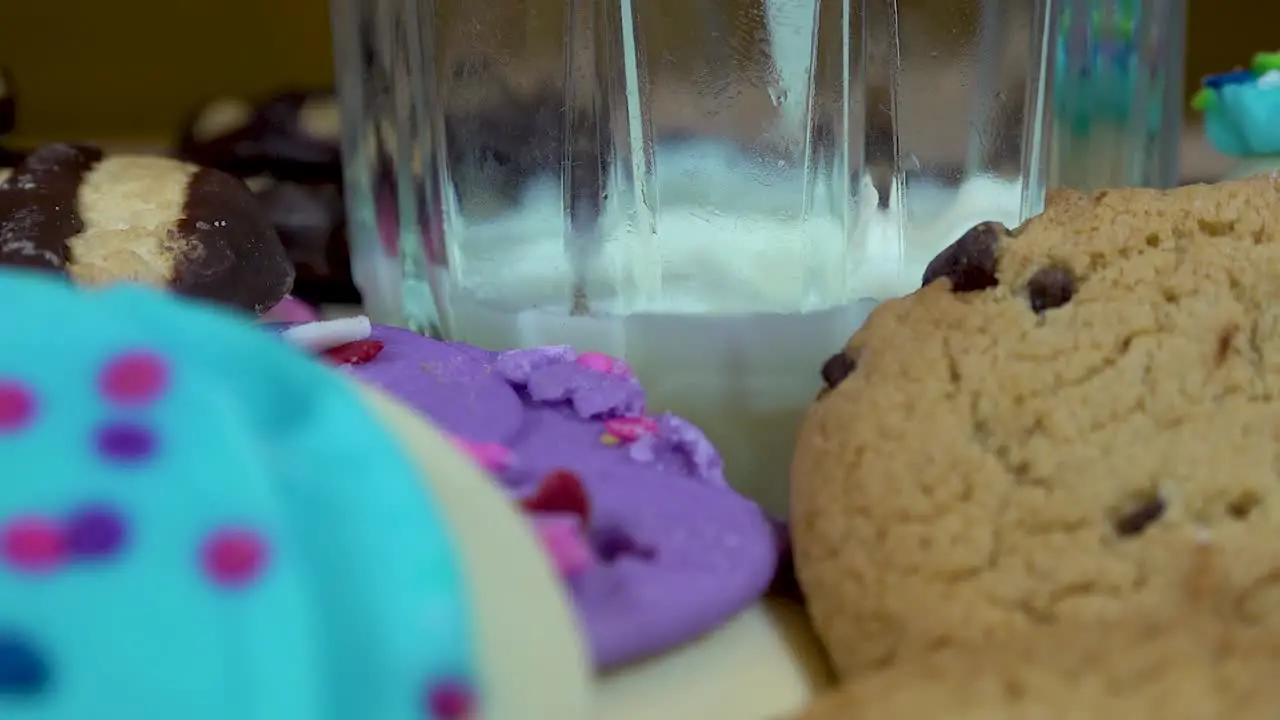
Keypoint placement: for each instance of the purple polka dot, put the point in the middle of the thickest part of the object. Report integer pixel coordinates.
(94, 532)
(125, 442)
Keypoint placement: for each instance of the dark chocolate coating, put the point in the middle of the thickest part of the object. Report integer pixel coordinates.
(241, 260)
(305, 201)
(38, 213)
(12, 157)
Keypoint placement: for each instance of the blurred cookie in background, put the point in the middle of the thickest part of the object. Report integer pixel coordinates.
(8, 109)
(8, 121)
(311, 222)
(292, 136)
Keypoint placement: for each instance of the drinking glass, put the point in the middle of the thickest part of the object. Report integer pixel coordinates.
(718, 191)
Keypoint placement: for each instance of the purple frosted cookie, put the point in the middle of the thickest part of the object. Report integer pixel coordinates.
(672, 552)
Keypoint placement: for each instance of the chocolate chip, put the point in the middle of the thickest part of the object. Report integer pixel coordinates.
(970, 262)
(1049, 288)
(1136, 520)
(837, 368)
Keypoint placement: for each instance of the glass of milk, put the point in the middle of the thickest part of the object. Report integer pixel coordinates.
(718, 192)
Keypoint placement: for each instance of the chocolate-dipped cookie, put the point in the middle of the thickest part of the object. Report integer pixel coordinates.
(100, 219)
(294, 136)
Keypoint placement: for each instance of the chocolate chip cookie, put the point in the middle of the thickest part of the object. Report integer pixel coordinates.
(1191, 660)
(1014, 446)
(99, 219)
(1181, 669)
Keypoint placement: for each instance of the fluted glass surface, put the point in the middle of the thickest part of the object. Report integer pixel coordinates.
(720, 191)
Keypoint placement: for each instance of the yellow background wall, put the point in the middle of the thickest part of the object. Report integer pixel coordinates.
(131, 70)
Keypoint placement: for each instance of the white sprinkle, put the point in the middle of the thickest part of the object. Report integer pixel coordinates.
(325, 334)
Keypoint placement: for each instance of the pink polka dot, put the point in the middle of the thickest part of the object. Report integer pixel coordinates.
(17, 406)
(32, 544)
(450, 700)
(135, 378)
(234, 558)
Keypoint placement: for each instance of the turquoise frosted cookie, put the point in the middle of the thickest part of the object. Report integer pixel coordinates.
(199, 522)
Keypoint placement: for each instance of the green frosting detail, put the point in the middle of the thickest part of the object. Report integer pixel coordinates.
(1205, 99)
(1266, 61)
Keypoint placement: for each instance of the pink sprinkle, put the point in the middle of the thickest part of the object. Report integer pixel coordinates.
(234, 558)
(631, 429)
(602, 363)
(134, 378)
(17, 407)
(450, 700)
(32, 544)
(492, 457)
(562, 539)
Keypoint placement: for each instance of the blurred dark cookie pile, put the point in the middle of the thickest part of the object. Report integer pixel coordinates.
(8, 121)
(287, 149)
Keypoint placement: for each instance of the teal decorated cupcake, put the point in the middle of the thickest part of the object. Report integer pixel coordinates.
(1242, 112)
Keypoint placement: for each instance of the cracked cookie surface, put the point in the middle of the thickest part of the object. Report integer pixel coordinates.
(1190, 669)
(1015, 446)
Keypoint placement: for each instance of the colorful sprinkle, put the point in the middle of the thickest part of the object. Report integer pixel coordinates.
(133, 379)
(492, 457)
(563, 541)
(610, 440)
(94, 532)
(17, 407)
(602, 363)
(631, 429)
(358, 352)
(234, 558)
(325, 334)
(32, 544)
(450, 700)
(561, 491)
(125, 442)
(23, 672)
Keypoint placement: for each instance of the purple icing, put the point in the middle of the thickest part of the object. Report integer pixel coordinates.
(550, 375)
(678, 552)
(517, 366)
(440, 380)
